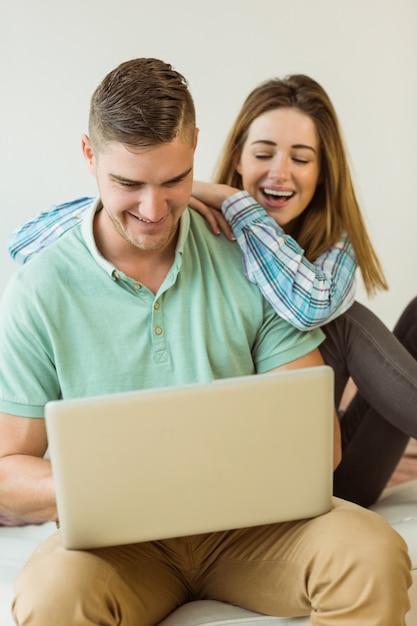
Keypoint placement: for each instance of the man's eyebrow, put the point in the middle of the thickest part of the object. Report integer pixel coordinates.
(130, 181)
(179, 177)
(273, 143)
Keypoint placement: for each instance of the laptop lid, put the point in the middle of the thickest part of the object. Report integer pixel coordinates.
(177, 461)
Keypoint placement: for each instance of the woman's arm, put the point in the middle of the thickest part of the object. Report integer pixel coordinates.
(46, 227)
(306, 294)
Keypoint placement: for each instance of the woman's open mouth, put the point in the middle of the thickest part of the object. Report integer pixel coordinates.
(276, 197)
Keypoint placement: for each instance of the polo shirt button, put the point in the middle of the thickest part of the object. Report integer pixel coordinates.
(156, 306)
(158, 330)
(137, 286)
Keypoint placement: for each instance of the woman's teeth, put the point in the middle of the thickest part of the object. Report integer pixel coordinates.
(278, 194)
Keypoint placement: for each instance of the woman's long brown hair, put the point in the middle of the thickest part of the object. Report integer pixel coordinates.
(334, 208)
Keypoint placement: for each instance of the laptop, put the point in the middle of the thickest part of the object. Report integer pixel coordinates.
(168, 462)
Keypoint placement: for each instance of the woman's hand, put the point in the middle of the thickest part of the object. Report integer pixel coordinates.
(207, 199)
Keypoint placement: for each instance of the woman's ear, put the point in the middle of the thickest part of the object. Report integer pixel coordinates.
(88, 153)
(236, 164)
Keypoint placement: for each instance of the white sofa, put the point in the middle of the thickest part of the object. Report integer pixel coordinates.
(398, 505)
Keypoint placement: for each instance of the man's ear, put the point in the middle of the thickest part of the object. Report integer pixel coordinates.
(88, 153)
(196, 138)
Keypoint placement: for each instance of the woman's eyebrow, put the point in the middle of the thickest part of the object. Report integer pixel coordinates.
(273, 143)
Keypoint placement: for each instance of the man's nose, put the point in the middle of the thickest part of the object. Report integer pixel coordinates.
(153, 205)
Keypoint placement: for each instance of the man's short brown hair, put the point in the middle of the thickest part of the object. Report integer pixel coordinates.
(142, 102)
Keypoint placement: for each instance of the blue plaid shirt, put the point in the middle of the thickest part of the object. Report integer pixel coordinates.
(305, 294)
(46, 227)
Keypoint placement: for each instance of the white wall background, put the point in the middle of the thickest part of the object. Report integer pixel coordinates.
(53, 53)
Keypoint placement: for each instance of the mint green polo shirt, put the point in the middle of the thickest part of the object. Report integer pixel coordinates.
(73, 325)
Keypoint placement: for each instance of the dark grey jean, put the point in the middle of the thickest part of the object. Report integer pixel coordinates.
(378, 422)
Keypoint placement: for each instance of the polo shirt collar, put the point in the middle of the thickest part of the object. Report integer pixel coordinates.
(88, 235)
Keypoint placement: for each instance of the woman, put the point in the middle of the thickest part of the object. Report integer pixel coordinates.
(284, 186)
(302, 236)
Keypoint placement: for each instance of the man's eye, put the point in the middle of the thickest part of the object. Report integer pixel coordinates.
(127, 184)
(174, 183)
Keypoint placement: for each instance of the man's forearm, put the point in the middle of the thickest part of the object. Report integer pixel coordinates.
(26, 487)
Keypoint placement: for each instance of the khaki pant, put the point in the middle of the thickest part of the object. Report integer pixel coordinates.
(345, 567)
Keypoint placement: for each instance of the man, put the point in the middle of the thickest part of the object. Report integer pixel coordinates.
(142, 295)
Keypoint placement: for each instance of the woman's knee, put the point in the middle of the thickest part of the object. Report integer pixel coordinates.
(406, 328)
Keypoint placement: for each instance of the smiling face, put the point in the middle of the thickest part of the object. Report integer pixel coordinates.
(279, 163)
(144, 192)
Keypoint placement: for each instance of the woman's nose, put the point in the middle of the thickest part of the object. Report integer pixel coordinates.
(279, 170)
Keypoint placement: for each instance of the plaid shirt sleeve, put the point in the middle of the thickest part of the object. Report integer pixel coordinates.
(305, 294)
(45, 228)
